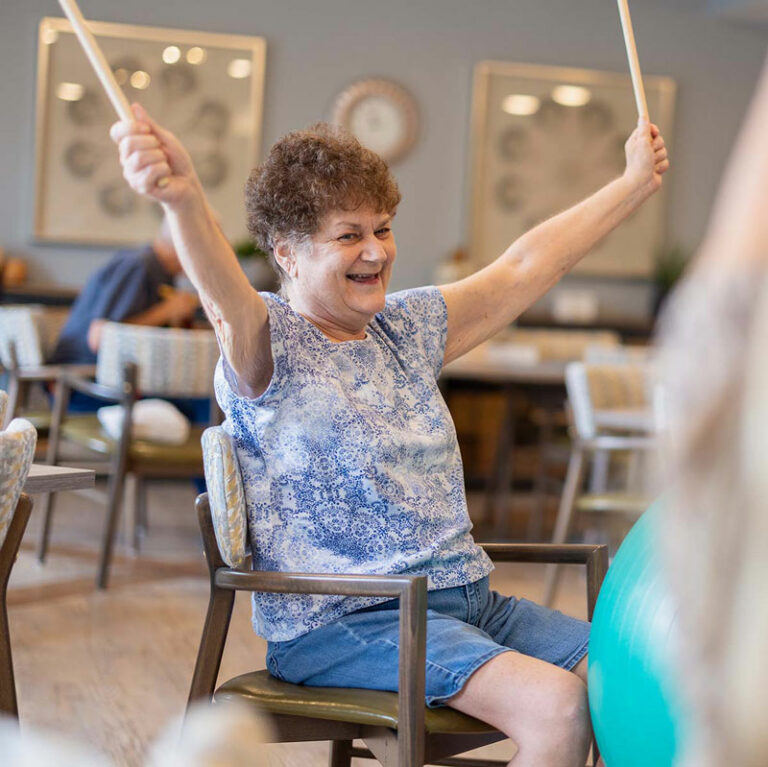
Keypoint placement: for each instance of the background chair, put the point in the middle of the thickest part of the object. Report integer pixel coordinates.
(134, 361)
(17, 447)
(28, 334)
(398, 729)
(611, 416)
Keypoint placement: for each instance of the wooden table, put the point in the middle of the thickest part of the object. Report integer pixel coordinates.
(51, 479)
(543, 380)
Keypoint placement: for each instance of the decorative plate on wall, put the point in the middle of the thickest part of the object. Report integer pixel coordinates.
(206, 88)
(381, 114)
(544, 138)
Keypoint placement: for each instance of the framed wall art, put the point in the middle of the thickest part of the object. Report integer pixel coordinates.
(544, 138)
(206, 88)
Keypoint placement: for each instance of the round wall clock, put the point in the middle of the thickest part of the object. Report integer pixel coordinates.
(382, 115)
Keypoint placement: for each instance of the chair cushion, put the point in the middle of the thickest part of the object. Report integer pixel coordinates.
(153, 420)
(85, 430)
(225, 495)
(371, 707)
(623, 502)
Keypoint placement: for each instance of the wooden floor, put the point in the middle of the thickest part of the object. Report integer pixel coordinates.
(113, 668)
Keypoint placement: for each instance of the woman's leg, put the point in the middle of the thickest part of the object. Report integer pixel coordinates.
(541, 707)
(580, 669)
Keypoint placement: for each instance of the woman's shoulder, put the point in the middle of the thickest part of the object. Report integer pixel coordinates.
(415, 308)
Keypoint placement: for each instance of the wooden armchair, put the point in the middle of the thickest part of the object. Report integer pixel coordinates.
(134, 361)
(397, 728)
(17, 447)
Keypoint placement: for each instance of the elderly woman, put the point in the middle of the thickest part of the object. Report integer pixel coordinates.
(348, 453)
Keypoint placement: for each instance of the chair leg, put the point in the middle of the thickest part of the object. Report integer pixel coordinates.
(8, 703)
(340, 753)
(114, 503)
(46, 509)
(60, 402)
(573, 481)
(8, 551)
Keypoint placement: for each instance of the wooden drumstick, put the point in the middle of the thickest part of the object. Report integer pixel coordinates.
(99, 64)
(96, 57)
(634, 63)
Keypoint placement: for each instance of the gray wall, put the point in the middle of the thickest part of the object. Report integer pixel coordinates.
(315, 47)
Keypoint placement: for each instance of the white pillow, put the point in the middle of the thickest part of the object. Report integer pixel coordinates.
(154, 420)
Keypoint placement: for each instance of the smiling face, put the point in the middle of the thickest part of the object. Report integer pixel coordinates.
(339, 279)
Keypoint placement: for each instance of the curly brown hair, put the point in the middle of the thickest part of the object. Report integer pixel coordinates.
(309, 174)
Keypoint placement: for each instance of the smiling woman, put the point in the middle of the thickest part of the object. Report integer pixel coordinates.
(348, 453)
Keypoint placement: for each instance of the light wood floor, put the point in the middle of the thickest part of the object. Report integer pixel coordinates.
(113, 668)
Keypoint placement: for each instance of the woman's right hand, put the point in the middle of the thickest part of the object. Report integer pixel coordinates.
(149, 154)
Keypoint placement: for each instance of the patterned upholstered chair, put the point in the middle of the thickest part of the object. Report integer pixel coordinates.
(17, 447)
(611, 415)
(28, 334)
(397, 728)
(134, 361)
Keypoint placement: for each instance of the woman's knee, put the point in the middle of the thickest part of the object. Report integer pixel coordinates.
(564, 707)
(521, 695)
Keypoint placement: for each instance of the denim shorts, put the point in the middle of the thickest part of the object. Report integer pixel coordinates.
(466, 627)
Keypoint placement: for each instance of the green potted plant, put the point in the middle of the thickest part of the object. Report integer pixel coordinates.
(671, 261)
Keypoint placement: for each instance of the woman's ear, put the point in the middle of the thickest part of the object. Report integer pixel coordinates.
(285, 257)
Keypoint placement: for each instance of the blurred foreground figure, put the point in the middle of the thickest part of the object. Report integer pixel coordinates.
(227, 735)
(714, 351)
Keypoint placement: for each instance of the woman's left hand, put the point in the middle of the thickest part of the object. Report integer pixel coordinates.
(647, 157)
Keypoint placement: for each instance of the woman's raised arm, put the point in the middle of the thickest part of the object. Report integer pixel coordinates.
(484, 303)
(156, 165)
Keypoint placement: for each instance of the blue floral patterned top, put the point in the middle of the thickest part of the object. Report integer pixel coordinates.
(349, 460)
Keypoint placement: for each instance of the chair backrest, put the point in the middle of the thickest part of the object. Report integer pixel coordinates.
(17, 448)
(225, 496)
(32, 329)
(604, 387)
(171, 362)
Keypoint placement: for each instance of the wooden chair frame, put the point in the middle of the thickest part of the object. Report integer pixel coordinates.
(8, 552)
(119, 460)
(410, 745)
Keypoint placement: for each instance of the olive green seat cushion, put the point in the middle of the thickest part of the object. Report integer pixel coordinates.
(40, 419)
(622, 502)
(85, 430)
(369, 707)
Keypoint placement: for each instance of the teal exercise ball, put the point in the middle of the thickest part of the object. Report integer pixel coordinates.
(633, 691)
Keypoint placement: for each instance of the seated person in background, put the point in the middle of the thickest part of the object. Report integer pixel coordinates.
(137, 287)
(134, 286)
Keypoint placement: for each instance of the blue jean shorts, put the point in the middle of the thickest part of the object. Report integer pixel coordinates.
(466, 627)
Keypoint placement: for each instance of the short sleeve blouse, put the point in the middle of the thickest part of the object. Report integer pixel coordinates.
(350, 461)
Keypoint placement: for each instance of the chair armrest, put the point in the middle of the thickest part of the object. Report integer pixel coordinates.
(412, 593)
(54, 372)
(392, 586)
(93, 389)
(544, 553)
(593, 557)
